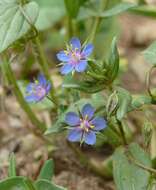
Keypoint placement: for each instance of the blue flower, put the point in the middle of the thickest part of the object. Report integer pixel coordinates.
(75, 57)
(38, 89)
(84, 127)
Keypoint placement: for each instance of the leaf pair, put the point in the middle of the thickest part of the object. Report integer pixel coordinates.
(43, 181)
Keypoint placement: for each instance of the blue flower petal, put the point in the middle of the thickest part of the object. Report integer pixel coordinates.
(72, 119)
(87, 50)
(75, 43)
(90, 138)
(42, 80)
(88, 111)
(30, 98)
(66, 68)
(62, 56)
(48, 87)
(75, 135)
(81, 66)
(30, 87)
(99, 123)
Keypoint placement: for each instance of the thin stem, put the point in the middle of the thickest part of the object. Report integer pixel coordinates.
(97, 20)
(51, 100)
(70, 28)
(98, 168)
(12, 80)
(40, 54)
(151, 170)
(148, 81)
(44, 65)
(122, 132)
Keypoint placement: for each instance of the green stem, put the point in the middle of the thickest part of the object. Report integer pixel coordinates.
(140, 165)
(40, 54)
(148, 82)
(122, 132)
(45, 67)
(70, 28)
(12, 80)
(97, 21)
(100, 169)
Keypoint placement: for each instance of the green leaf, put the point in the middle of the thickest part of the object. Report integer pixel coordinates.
(15, 183)
(87, 86)
(126, 174)
(51, 11)
(12, 166)
(145, 10)
(117, 9)
(13, 24)
(113, 62)
(124, 102)
(139, 101)
(29, 184)
(114, 11)
(46, 185)
(47, 171)
(150, 53)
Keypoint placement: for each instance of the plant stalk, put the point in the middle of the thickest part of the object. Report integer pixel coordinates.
(45, 67)
(122, 132)
(97, 20)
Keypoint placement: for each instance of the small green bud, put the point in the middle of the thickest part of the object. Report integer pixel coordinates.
(147, 132)
(112, 104)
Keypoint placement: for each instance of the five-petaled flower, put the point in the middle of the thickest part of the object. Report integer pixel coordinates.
(75, 57)
(84, 127)
(38, 89)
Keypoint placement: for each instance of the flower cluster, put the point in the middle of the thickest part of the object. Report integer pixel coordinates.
(38, 89)
(75, 57)
(84, 126)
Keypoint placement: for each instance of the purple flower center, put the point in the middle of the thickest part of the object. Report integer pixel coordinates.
(75, 56)
(40, 91)
(85, 125)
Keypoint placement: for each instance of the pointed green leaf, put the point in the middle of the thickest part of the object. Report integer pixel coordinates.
(51, 11)
(124, 102)
(13, 25)
(113, 62)
(150, 53)
(15, 183)
(12, 166)
(47, 171)
(85, 86)
(145, 10)
(114, 11)
(29, 184)
(46, 185)
(117, 9)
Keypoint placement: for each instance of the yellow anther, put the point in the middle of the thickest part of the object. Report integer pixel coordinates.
(73, 72)
(86, 117)
(66, 52)
(36, 81)
(92, 126)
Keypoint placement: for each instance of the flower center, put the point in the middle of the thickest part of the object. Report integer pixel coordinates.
(75, 57)
(40, 91)
(86, 125)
